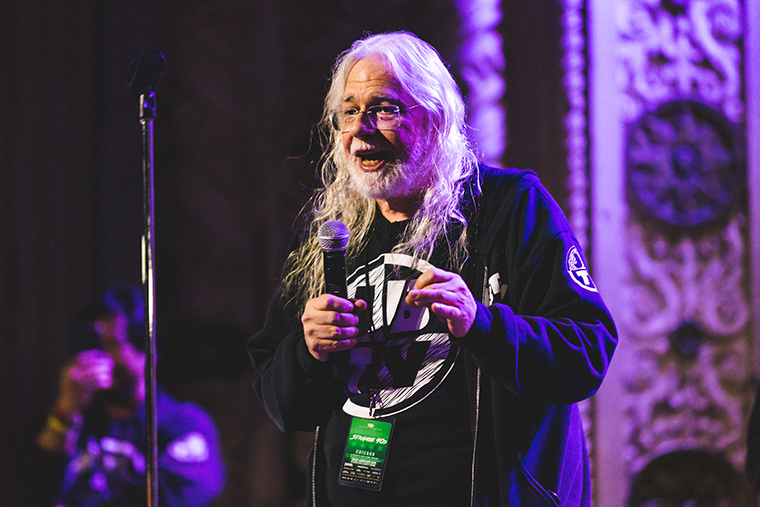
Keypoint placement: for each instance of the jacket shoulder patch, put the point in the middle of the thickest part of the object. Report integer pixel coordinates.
(577, 269)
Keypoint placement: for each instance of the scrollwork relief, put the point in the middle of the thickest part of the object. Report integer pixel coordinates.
(574, 63)
(674, 402)
(694, 280)
(686, 49)
(685, 313)
(684, 165)
(687, 385)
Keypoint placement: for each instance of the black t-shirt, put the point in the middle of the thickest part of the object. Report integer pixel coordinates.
(405, 356)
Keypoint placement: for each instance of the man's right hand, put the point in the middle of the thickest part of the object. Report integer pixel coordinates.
(89, 371)
(329, 324)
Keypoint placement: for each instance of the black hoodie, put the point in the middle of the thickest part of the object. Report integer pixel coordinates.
(542, 341)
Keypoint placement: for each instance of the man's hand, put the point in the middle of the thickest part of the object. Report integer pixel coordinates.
(89, 371)
(329, 324)
(447, 296)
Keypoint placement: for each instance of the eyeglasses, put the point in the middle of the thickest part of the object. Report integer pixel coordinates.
(381, 117)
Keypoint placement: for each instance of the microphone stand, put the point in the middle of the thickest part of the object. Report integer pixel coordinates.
(144, 73)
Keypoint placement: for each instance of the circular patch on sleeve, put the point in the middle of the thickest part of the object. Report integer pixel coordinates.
(189, 448)
(577, 269)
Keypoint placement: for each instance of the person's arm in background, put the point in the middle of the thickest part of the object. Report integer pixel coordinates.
(87, 372)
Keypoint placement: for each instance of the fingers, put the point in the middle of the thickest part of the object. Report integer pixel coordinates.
(321, 344)
(427, 296)
(93, 370)
(359, 305)
(329, 324)
(438, 286)
(329, 302)
(327, 310)
(433, 276)
(87, 372)
(447, 296)
(446, 312)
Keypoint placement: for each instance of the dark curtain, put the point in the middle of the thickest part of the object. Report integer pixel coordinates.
(535, 98)
(234, 164)
(70, 195)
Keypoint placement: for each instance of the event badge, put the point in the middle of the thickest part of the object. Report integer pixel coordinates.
(366, 453)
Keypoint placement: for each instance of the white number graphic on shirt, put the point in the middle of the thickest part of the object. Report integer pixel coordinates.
(417, 354)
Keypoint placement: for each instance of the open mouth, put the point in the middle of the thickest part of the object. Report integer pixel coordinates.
(371, 161)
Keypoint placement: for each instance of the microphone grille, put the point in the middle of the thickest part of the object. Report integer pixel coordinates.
(333, 235)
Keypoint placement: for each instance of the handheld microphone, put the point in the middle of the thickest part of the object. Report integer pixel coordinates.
(333, 238)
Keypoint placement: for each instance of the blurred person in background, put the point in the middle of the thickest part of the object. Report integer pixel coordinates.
(91, 450)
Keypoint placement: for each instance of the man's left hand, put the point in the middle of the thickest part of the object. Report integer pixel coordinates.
(447, 296)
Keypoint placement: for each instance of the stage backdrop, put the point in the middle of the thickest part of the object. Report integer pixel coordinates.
(235, 156)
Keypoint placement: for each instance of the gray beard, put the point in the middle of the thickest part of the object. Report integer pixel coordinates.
(399, 179)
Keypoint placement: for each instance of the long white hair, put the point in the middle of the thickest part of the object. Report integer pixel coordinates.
(439, 221)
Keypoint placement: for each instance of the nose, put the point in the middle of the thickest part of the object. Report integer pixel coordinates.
(362, 125)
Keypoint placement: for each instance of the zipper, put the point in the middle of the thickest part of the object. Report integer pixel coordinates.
(475, 438)
(483, 296)
(314, 469)
(548, 495)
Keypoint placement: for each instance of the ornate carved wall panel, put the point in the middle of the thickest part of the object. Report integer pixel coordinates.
(683, 306)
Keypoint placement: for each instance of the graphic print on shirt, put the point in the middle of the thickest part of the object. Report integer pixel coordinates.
(405, 361)
(496, 288)
(103, 469)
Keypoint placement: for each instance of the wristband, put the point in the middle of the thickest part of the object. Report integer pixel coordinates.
(58, 426)
(63, 416)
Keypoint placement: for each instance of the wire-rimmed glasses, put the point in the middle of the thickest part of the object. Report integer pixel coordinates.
(381, 117)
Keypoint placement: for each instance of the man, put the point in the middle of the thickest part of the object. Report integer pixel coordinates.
(92, 447)
(472, 323)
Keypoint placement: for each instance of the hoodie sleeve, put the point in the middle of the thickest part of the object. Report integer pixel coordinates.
(297, 391)
(547, 335)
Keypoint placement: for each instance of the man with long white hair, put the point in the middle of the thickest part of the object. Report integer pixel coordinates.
(471, 323)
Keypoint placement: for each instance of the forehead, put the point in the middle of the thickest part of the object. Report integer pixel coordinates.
(370, 79)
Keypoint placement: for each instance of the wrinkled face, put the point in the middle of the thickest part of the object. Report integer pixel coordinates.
(383, 164)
